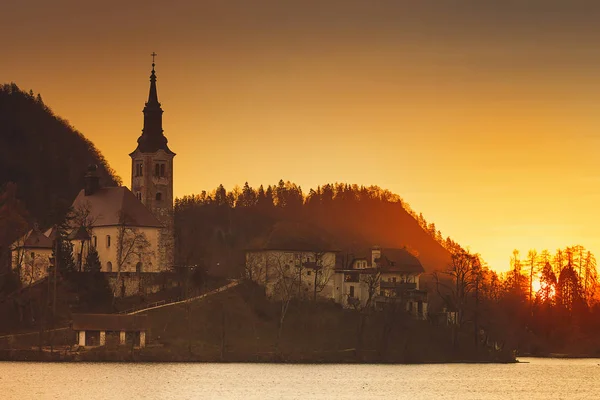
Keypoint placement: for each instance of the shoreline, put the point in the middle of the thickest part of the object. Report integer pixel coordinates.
(34, 355)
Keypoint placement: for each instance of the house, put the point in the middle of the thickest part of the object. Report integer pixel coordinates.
(289, 262)
(292, 257)
(31, 255)
(380, 277)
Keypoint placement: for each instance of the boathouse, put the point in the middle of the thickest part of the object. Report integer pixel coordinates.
(95, 330)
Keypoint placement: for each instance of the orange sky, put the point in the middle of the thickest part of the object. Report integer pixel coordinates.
(483, 117)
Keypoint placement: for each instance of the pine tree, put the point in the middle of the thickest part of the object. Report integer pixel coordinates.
(92, 261)
(65, 256)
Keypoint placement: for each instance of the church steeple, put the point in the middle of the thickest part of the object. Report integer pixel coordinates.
(153, 96)
(152, 138)
(152, 173)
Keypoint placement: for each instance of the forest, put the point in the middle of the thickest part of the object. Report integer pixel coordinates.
(44, 155)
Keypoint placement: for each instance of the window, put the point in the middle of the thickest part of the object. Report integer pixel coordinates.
(109, 267)
(95, 240)
(138, 195)
(139, 168)
(394, 279)
(32, 255)
(158, 196)
(138, 267)
(351, 291)
(308, 273)
(160, 169)
(107, 240)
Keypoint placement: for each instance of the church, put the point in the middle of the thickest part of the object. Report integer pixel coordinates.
(132, 230)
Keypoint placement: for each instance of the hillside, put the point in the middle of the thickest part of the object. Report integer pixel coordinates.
(214, 229)
(44, 155)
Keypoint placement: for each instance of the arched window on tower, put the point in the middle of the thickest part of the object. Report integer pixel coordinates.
(138, 267)
(109, 267)
(160, 169)
(158, 196)
(139, 168)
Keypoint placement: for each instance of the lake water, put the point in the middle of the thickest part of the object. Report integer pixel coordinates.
(535, 379)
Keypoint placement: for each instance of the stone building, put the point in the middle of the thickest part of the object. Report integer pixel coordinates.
(293, 255)
(31, 255)
(388, 276)
(152, 173)
(132, 230)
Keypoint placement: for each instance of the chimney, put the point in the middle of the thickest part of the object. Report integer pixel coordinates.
(92, 181)
(375, 255)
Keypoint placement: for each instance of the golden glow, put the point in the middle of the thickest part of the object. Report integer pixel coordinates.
(486, 121)
(536, 285)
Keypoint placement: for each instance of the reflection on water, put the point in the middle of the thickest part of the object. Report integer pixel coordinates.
(536, 379)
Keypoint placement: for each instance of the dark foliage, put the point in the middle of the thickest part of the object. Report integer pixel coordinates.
(92, 261)
(44, 155)
(92, 290)
(538, 316)
(13, 222)
(213, 229)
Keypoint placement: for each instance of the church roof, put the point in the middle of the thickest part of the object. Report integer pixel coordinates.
(399, 260)
(152, 138)
(293, 236)
(391, 260)
(107, 205)
(109, 322)
(34, 239)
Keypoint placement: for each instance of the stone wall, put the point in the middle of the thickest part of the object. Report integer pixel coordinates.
(133, 283)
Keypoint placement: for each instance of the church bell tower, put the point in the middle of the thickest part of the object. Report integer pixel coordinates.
(152, 173)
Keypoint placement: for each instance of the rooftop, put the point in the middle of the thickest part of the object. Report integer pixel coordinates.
(109, 322)
(110, 206)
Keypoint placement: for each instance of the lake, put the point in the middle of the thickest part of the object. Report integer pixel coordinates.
(535, 378)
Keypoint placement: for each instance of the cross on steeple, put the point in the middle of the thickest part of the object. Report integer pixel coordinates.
(153, 55)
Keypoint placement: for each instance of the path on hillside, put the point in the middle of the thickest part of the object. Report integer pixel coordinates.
(152, 306)
(164, 303)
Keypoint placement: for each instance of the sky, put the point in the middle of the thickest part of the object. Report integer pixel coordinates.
(482, 115)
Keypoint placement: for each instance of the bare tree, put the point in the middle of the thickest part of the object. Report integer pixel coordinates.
(371, 281)
(18, 251)
(322, 274)
(532, 263)
(255, 268)
(463, 273)
(299, 266)
(132, 244)
(284, 288)
(33, 267)
(82, 217)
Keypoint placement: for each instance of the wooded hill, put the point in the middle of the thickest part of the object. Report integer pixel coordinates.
(44, 155)
(213, 229)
